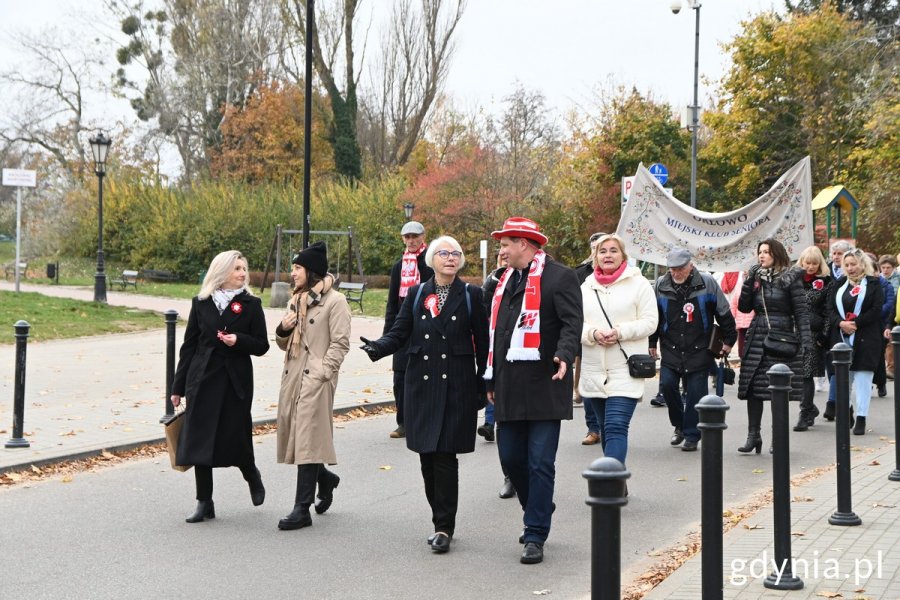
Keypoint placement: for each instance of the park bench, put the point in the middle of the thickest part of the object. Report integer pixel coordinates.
(10, 269)
(127, 278)
(157, 275)
(353, 291)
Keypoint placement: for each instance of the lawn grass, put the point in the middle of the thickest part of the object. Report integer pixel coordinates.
(55, 318)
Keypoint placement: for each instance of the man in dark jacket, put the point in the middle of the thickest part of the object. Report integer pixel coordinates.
(689, 303)
(535, 332)
(407, 272)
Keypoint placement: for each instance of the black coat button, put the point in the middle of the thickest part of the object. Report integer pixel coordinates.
(311, 321)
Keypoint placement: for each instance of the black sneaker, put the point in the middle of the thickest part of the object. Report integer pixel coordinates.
(658, 400)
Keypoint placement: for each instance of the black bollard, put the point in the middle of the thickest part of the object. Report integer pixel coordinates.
(171, 318)
(606, 496)
(783, 577)
(895, 341)
(712, 423)
(17, 441)
(841, 356)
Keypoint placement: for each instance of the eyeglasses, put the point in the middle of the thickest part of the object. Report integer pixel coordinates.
(445, 254)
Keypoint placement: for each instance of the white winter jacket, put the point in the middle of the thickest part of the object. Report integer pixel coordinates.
(631, 306)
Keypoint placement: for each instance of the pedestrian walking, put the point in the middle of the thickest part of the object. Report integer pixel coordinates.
(854, 306)
(775, 291)
(486, 429)
(690, 304)
(225, 328)
(619, 317)
(443, 324)
(816, 282)
(315, 336)
(407, 272)
(535, 330)
(584, 270)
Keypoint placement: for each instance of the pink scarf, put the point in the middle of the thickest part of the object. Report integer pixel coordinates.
(526, 337)
(608, 279)
(409, 270)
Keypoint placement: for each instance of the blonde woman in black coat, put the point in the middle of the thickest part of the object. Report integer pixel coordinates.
(447, 328)
(854, 310)
(226, 326)
(772, 287)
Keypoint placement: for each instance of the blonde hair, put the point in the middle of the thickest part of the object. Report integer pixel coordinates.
(862, 258)
(435, 244)
(603, 239)
(813, 255)
(218, 272)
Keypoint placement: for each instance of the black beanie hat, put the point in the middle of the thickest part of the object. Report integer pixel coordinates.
(314, 258)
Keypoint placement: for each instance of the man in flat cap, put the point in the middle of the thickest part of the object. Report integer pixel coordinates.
(535, 333)
(690, 303)
(410, 270)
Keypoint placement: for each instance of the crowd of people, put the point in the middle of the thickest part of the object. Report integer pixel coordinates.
(536, 336)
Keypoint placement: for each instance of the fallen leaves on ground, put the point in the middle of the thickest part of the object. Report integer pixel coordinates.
(802, 499)
(105, 458)
(829, 595)
(880, 505)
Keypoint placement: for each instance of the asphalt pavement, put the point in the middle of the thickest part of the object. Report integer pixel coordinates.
(119, 531)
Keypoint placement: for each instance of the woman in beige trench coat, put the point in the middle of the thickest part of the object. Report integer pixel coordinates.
(314, 333)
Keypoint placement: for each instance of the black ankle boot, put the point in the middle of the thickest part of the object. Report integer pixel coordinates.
(802, 423)
(754, 441)
(205, 510)
(297, 519)
(860, 427)
(257, 489)
(829, 411)
(327, 482)
(307, 476)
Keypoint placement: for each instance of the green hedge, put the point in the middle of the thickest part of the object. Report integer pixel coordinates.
(180, 230)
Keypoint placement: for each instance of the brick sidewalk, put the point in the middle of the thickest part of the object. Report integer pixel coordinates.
(855, 562)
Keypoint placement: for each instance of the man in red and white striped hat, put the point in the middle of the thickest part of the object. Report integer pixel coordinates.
(535, 331)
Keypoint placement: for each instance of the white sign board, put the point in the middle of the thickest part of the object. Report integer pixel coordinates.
(627, 184)
(482, 249)
(19, 178)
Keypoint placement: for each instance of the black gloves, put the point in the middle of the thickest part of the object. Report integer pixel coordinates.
(369, 348)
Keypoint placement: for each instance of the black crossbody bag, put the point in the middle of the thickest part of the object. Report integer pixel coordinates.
(641, 366)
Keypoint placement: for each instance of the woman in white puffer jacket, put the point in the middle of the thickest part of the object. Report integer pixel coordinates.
(627, 300)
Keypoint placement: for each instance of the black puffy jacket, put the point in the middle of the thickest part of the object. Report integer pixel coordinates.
(785, 301)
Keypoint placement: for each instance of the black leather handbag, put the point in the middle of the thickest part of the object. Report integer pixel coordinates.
(641, 366)
(779, 343)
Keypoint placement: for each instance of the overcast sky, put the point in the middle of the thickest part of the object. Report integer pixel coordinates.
(566, 49)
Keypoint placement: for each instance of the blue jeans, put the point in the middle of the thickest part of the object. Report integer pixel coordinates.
(528, 456)
(489, 413)
(614, 414)
(684, 416)
(590, 417)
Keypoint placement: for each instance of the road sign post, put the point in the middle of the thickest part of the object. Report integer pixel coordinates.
(19, 178)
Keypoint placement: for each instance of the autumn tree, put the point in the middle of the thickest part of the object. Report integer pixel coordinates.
(186, 62)
(407, 77)
(263, 141)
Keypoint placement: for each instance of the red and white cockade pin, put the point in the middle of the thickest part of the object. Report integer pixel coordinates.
(237, 307)
(431, 303)
(855, 291)
(689, 311)
(818, 284)
(851, 316)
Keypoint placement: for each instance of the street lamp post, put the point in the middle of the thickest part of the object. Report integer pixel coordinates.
(408, 210)
(99, 148)
(695, 106)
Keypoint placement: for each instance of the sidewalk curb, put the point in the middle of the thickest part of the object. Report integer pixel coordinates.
(132, 445)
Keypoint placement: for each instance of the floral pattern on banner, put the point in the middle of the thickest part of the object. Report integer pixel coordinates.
(653, 223)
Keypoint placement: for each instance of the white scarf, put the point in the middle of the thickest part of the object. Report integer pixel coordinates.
(839, 300)
(223, 298)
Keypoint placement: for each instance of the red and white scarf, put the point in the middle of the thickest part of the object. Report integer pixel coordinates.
(526, 337)
(409, 270)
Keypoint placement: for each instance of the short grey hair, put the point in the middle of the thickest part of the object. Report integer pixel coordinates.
(435, 244)
(841, 246)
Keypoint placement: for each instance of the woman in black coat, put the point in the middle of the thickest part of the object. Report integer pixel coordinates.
(226, 326)
(775, 289)
(854, 311)
(447, 328)
(816, 281)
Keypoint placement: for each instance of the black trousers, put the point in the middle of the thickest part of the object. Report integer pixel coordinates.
(440, 472)
(399, 388)
(204, 479)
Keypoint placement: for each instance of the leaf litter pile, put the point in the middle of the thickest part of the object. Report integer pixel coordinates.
(68, 469)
